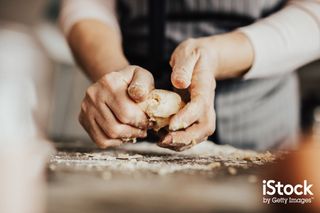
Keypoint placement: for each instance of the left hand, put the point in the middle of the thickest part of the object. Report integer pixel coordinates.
(194, 63)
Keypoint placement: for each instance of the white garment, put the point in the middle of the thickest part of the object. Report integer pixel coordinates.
(23, 109)
(24, 74)
(282, 42)
(286, 40)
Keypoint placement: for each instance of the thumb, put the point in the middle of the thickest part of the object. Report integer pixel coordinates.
(141, 85)
(182, 68)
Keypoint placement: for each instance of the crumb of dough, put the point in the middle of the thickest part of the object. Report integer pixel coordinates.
(254, 157)
(232, 170)
(123, 156)
(193, 142)
(136, 156)
(129, 140)
(214, 165)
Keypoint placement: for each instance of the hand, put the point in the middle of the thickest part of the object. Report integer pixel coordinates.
(109, 112)
(194, 63)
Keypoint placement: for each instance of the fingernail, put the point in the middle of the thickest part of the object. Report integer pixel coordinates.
(176, 125)
(181, 82)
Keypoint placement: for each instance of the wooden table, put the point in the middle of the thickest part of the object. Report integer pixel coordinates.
(145, 178)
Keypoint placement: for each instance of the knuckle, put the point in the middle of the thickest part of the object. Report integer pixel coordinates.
(136, 68)
(172, 60)
(127, 116)
(108, 78)
(204, 53)
(188, 44)
(116, 84)
(148, 74)
(144, 72)
(198, 51)
(91, 92)
(84, 106)
(109, 81)
(189, 41)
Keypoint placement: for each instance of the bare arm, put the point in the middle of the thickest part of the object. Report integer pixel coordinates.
(97, 48)
(109, 111)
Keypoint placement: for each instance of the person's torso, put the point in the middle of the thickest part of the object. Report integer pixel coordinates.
(252, 114)
(185, 19)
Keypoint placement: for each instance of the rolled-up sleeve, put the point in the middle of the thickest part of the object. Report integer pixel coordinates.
(72, 11)
(285, 40)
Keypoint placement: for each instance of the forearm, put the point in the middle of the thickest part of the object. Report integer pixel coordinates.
(97, 48)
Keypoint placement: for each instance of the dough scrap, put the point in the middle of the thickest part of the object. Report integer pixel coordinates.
(160, 106)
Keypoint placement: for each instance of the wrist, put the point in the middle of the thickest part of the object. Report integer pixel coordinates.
(235, 54)
(110, 63)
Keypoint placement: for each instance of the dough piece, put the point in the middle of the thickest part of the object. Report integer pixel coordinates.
(160, 106)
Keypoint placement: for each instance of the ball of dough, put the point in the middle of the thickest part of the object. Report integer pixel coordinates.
(160, 106)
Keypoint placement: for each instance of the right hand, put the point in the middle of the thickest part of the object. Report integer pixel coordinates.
(109, 111)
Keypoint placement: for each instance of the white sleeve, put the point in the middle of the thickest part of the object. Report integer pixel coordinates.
(285, 40)
(73, 11)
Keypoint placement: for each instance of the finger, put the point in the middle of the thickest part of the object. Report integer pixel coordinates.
(141, 85)
(185, 139)
(118, 100)
(127, 111)
(203, 83)
(100, 138)
(183, 64)
(113, 129)
(202, 93)
(189, 114)
(95, 133)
